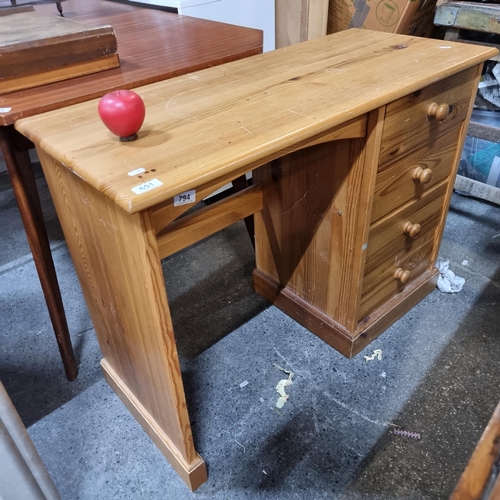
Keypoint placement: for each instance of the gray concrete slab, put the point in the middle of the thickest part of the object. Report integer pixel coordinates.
(438, 375)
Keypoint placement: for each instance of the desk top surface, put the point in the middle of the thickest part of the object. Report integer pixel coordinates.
(153, 45)
(204, 126)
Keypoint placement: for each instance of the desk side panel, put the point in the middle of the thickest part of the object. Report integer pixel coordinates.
(116, 258)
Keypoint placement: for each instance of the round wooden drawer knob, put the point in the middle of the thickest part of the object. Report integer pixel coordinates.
(423, 175)
(403, 276)
(438, 111)
(412, 230)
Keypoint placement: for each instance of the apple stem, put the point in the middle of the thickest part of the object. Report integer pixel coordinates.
(129, 138)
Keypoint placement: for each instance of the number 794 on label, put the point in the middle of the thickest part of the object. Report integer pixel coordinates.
(185, 198)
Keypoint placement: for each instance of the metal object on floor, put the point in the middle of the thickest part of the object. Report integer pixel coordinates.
(401, 432)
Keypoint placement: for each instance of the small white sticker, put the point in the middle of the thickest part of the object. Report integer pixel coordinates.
(137, 171)
(185, 198)
(5, 110)
(147, 186)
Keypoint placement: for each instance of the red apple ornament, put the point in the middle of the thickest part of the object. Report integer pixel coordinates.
(123, 112)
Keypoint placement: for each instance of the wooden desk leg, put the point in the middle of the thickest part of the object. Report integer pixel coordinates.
(26, 193)
(117, 261)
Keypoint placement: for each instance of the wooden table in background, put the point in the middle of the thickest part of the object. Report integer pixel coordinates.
(354, 141)
(153, 45)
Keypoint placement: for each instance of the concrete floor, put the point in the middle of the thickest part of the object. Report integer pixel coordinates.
(439, 375)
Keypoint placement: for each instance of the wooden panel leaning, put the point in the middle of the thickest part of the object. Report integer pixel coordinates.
(481, 479)
(311, 125)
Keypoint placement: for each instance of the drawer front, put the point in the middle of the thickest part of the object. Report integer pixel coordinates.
(400, 182)
(408, 124)
(404, 228)
(387, 279)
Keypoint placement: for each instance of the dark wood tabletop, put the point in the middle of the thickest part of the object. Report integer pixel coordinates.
(152, 45)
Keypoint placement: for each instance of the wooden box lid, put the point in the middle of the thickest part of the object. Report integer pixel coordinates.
(37, 49)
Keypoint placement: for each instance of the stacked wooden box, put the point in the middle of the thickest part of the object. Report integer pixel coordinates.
(37, 49)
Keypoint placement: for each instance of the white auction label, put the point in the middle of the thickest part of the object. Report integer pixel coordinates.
(147, 186)
(185, 198)
(5, 110)
(137, 171)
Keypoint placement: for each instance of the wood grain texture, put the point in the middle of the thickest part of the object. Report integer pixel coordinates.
(475, 478)
(303, 312)
(387, 236)
(311, 232)
(37, 49)
(395, 185)
(181, 45)
(67, 72)
(237, 119)
(193, 474)
(381, 284)
(208, 220)
(31, 43)
(408, 126)
(334, 334)
(166, 212)
(454, 167)
(372, 325)
(118, 265)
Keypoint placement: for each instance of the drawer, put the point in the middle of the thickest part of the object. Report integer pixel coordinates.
(398, 183)
(402, 229)
(384, 281)
(408, 125)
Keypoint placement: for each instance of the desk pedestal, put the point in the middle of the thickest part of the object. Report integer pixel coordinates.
(315, 231)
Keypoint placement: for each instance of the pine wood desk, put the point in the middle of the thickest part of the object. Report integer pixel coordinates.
(354, 141)
(153, 46)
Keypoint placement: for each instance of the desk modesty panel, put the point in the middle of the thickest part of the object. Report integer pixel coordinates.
(354, 141)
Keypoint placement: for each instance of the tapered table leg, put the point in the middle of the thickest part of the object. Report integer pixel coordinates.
(26, 193)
